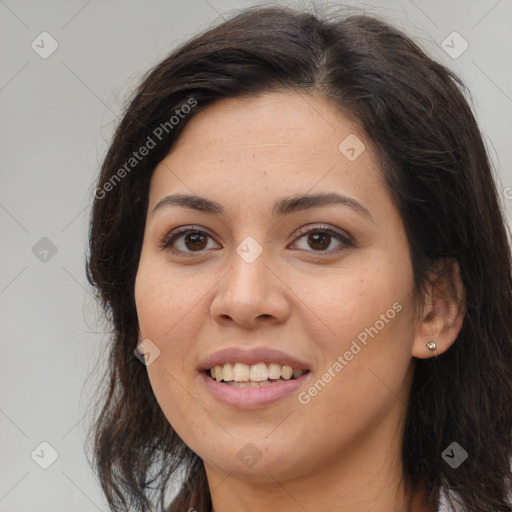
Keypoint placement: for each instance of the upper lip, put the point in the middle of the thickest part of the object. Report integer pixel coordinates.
(251, 356)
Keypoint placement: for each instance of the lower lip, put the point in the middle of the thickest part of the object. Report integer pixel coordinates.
(247, 398)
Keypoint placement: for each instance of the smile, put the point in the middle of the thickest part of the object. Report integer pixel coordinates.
(255, 375)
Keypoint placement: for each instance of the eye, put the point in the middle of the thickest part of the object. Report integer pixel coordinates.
(193, 239)
(320, 237)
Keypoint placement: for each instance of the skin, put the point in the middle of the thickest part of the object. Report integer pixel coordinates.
(340, 451)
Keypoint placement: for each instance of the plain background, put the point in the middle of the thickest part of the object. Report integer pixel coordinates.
(57, 117)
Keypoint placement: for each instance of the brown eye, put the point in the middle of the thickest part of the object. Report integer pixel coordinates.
(319, 238)
(319, 241)
(197, 241)
(186, 240)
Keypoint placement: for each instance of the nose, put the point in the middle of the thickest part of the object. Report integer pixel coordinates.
(251, 294)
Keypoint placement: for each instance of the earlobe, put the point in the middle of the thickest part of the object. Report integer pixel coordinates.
(443, 311)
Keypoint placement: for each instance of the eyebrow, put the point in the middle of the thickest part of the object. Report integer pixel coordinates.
(282, 207)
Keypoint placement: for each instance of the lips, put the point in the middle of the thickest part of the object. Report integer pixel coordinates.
(253, 395)
(246, 394)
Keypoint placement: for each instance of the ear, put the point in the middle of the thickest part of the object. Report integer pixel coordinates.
(443, 313)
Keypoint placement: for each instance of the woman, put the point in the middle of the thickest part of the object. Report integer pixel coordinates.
(298, 240)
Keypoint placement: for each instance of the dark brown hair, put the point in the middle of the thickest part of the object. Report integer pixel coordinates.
(414, 112)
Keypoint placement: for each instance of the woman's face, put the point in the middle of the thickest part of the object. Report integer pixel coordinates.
(319, 285)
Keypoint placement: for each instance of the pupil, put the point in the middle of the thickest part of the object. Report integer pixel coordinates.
(195, 238)
(324, 237)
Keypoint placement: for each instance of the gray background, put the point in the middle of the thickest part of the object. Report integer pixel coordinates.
(57, 117)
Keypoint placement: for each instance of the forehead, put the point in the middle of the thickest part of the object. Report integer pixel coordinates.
(284, 121)
(254, 149)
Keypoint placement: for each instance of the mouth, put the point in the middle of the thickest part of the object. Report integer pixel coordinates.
(261, 374)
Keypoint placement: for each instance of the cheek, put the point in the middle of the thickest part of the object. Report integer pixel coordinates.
(183, 410)
(364, 377)
(166, 314)
(164, 299)
(343, 303)
(365, 316)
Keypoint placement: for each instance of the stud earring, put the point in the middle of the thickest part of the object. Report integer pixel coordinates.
(431, 345)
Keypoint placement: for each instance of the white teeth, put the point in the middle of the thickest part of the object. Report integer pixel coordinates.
(260, 373)
(274, 371)
(227, 372)
(241, 372)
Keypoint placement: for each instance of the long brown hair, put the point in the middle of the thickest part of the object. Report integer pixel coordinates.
(435, 164)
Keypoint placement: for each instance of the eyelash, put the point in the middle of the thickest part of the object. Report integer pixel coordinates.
(306, 230)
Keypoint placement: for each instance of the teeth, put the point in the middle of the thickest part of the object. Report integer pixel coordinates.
(274, 371)
(257, 373)
(297, 373)
(249, 384)
(241, 372)
(227, 372)
(286, 372)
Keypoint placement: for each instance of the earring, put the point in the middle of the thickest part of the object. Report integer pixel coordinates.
(431, 345)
